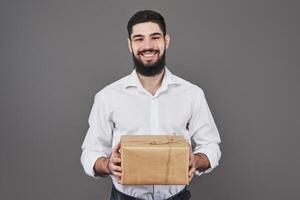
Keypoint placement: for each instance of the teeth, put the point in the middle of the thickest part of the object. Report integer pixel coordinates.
(148, 54)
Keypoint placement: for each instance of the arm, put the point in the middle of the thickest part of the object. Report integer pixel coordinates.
(205, 137)
(98, 140)
(110, 166)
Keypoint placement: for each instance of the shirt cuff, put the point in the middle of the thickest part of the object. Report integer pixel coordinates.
(212, 158)
(88, 160)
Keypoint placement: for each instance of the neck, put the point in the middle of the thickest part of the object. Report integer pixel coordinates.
(151, 83)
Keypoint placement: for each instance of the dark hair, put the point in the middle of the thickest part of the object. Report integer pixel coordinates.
(146, 16)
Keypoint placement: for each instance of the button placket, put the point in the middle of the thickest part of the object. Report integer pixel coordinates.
(154, 115)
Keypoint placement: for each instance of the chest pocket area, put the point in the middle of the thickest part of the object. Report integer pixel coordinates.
(174, 116)
(130, 117)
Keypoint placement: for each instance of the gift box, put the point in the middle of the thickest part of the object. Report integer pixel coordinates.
(154, 160)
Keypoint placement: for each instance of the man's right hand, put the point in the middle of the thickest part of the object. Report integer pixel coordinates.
(114, 164)
(110, 166)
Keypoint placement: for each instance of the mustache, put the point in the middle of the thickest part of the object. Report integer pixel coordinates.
(148, 50)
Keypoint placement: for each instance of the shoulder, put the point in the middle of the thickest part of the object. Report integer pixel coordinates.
(188, 86)
(113, 88)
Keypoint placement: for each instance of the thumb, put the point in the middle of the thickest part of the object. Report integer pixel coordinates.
(116, 149)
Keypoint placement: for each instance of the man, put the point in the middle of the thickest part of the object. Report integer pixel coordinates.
(150, 100)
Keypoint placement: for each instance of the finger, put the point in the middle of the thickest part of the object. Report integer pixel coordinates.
(116, 168)
(117, 155)
(192, 163)
(117, 174)
(116, 160)
(190, 178)
(116, 149)
(191, 175)
(192, 171)
(118, 177)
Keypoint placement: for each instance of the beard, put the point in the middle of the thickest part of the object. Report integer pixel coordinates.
(151, 69)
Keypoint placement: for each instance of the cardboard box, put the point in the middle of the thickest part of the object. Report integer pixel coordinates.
(154, 160)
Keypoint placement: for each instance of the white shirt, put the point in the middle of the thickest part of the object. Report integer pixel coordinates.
(125, 107)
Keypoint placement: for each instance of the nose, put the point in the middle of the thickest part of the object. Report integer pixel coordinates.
(148, 44)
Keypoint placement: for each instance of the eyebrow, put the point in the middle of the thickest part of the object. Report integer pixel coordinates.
(156, 34)
(151, 35)
(138, 35)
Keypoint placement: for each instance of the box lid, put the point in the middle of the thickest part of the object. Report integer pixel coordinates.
(153, 141)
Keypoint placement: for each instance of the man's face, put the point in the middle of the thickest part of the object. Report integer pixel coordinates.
(148, 45)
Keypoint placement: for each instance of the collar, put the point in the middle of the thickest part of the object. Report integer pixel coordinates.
(168, 79)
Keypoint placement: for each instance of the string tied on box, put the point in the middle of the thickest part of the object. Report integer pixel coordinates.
(172, 140)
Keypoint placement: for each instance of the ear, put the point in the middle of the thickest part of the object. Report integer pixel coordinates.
(129, 45)
(167, 40)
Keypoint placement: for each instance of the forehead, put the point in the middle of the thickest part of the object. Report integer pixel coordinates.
(145, 28)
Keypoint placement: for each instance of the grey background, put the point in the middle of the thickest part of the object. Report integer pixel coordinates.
(55, 55)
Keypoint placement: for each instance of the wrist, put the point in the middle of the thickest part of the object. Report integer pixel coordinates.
(107, 162)
(101, 167)
(201, 162)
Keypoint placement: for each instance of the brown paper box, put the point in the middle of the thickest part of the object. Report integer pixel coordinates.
(154, 160)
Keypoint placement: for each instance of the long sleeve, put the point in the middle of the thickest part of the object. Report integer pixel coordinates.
(203, 131)
(98, 140)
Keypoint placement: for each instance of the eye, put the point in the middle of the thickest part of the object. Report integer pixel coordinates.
(138, 39)
(155, 38)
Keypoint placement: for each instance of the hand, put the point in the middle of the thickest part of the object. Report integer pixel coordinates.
(192, 167)
(114, 163)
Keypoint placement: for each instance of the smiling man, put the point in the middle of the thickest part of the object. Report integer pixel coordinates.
(148, 44)
(150, 100)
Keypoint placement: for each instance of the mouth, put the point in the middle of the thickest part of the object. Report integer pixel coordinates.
(149, 55)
